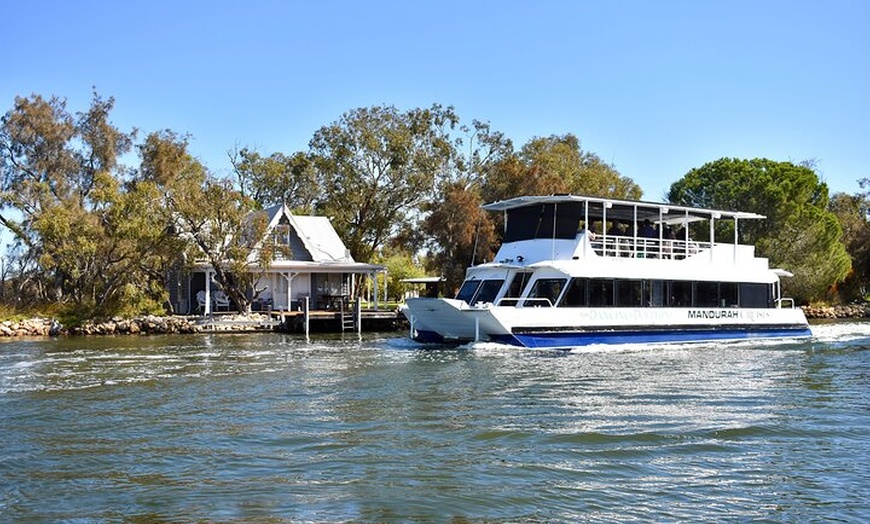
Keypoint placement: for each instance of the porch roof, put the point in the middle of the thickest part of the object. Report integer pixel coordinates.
(301, 266)
(280, 266)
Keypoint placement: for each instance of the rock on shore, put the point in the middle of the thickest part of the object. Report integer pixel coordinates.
(31, 327)
(145, 325)
(852, 311)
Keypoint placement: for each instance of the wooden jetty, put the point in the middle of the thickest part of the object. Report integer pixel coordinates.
(350, 318)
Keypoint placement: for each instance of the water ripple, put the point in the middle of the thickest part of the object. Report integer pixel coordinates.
(272, 428)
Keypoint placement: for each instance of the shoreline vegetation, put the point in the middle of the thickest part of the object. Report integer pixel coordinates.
(102, 220)
(179, 324)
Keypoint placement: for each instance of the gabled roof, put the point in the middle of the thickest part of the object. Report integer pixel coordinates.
(325, 249)
(316, 233)
(316, 247)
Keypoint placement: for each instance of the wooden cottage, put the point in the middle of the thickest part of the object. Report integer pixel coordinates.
(317, 267)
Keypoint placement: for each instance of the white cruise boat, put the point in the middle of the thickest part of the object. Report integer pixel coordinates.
(553, 284)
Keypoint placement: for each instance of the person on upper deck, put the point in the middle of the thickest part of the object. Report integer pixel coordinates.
(647, 230)
(588, 231)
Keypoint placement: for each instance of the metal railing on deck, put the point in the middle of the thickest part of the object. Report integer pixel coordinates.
(638, 247)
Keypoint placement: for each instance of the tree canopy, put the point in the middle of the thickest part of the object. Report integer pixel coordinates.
(211, 219)
(82, 234)
(799, 234)
(97, 236)
(853, 213)
(377, 166)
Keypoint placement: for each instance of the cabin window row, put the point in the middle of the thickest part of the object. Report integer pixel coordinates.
(609, 292)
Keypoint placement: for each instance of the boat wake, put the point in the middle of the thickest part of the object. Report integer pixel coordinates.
(852, 333)
(834, 335)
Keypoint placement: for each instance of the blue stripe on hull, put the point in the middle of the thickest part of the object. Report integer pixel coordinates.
(574, 339)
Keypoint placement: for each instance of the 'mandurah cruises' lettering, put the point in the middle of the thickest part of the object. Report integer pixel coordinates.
(712, 313)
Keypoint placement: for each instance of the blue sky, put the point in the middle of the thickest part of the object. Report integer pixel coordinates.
(654, 87)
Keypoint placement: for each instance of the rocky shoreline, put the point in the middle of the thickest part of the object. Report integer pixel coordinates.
(177, 324)
(852, 311)
(145, 325)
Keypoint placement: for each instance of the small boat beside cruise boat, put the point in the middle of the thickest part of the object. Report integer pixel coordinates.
(556, 283)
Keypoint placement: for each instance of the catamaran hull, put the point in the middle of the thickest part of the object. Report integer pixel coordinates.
(447, 320)
(563, 340)
(435, 320)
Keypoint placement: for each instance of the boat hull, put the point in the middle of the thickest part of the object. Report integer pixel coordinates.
(567, 340)
(440, 320)
(447, 320)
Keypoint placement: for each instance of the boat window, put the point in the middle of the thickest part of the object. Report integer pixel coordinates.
(706, 294)
(601, 292)
(680, 294)
(546, 220)
(575, 295)
(545, 292)
(655, 293)
(755, 295)
(629, 293)
(467, 291)
(488, 291)
(728, 294)
(518, 284)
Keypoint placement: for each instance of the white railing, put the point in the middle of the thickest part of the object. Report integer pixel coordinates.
(781, 303)
(638, 247)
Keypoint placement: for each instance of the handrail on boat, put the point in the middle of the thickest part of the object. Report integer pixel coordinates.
(641, 247)
(508, 301)
(781, 301)
(536, 302)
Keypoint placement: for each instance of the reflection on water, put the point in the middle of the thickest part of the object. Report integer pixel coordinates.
(272, 428)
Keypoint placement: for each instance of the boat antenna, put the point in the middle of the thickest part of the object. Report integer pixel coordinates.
(476, 237)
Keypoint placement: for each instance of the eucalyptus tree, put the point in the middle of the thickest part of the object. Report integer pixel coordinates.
(800, 234)
(456, 231)
(65, 202)
(277, 178)
(578, 171)
(463, 234)
(377, 166)
(214, 223)
(460, 232)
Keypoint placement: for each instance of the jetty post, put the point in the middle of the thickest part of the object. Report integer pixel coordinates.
(305, 315)
(357, 315)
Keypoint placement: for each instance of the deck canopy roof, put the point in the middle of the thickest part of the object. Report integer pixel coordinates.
(559, 216)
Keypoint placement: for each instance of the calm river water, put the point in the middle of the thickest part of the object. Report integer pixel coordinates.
(271, 428)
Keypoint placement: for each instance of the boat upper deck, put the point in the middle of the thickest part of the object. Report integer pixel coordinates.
(581, 226)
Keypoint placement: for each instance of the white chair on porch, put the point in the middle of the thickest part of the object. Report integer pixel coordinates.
(200, 301)
(221, 300)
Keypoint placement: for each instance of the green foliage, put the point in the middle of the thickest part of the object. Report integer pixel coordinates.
(277, 179)
(853, 214)
(86, 233)
(572, 170)
(94, 238)
(377, 165)
(799, 234)
(212, 222)
(400, 265)
(462, 234)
